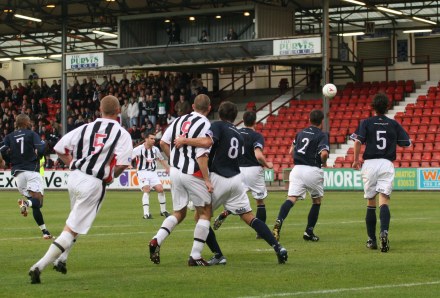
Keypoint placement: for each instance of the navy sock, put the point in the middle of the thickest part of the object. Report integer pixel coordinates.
(261, 213)
(212, 243)
(313, 218)
(385, 217)
(36, 212)
(370, 220)
(262, 230)
(284, 210)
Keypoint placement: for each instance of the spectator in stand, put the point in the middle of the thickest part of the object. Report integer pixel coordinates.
(232, 35)
(135, 133)
(204, 37)
(149, 129)
(170, 119)
(79, 121)
(158, 132)
(124, 115)
(133, 111)
(142, 102)
(162, 111)
(151, 109)
(70, 124)
(182, 107)
(48, 164)
(42, 107)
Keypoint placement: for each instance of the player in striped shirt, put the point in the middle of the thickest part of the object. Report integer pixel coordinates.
(24, 148)
(96, 153)
(146, 155)
(225, 175)
(189, 179)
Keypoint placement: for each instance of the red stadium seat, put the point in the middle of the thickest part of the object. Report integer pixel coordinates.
(404, 164)
(414, 164)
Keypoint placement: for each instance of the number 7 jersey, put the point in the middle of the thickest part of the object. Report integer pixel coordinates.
(308, 145)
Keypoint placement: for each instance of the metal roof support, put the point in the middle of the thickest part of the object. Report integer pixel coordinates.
(63, 68)
(325, 59)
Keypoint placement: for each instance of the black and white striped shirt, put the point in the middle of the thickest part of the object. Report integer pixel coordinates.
(97, 147)
(193, 125)
(146, 158)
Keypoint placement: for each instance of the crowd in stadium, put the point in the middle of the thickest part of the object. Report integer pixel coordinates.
(149, 102)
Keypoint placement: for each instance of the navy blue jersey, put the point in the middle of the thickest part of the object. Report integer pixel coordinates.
(381, 136)
(226, 150)
(24, 148)
(308, 145)
(252, 140)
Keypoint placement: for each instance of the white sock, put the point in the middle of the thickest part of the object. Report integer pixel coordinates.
(200, 234)
(65, 254)
(162, 201)
(65, 240)
(165, 230)
(146, 203)
(42, 227)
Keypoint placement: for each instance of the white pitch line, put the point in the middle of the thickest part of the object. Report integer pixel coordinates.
(331, 291)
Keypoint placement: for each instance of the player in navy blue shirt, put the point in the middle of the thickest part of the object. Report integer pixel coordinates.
(24, 149)
(227, 148)
(310, 152)
(253, 162)
(381, 136)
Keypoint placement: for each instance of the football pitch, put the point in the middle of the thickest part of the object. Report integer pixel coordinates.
(113, 259)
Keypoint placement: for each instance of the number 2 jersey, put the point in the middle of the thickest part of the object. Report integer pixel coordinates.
(381, 135)
(308, 145)
(23, 147)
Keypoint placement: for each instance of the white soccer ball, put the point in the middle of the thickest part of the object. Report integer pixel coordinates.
(329, 90)
(191, 206)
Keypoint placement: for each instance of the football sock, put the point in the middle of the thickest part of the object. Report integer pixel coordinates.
(385, 217)
(63, 242)
(313, 218)
(146, 203)
(370, 220)
(167, 227)
(162, 201)
(284, 210)
(262, 230)
(200, 234)
(65, 254)
(212, 243)
(261, 213)
(36, 212)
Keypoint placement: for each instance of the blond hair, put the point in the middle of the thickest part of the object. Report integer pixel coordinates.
(202, 103)
(109, 106)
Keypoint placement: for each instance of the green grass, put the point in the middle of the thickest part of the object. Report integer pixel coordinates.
(112, 260)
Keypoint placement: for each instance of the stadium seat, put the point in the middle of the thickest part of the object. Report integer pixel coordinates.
(404, 164)
(415, 164)
(425, 164)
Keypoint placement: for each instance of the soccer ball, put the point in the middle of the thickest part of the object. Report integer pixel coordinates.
(191, 206)
(329, 90)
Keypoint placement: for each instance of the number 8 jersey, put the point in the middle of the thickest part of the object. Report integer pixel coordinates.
(308, 145)
(381, 135)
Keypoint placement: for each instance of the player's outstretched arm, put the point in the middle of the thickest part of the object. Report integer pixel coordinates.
(204, 142)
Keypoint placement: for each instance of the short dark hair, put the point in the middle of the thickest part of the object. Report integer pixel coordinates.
(380, 103)
(316, 117)
(228, 111)
(249, 118)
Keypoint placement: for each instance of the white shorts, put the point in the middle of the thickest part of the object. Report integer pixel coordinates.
(86, 194)
(148, 178)
(253, 180)
(230, 193)
(29, 181)
(304, 179)
(184, 186)
(378, 176)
